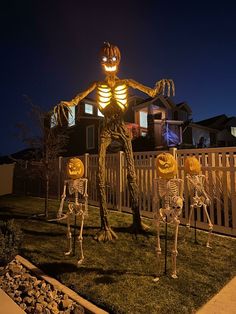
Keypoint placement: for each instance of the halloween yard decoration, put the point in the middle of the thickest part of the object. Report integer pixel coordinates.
(170, 191)
(78, 186)
(112, 101)
(198, 195)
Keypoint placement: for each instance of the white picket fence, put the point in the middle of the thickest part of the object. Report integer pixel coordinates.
(218, 165)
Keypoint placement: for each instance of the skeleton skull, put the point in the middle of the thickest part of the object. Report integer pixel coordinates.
(192, 165)
(166, 166)
(75, 168)
(110, 58)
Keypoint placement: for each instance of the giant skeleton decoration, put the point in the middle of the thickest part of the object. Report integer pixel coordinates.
(112, 101)
(170, 192)
(78, 186)
(196, 185)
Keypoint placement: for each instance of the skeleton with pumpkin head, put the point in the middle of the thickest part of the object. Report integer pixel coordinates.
(76, 185)
(198, 195)
(168, 190)
(112, 101)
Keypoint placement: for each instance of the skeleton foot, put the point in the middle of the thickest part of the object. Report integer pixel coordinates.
(209, 236)
(68, 252)
(106, 235)
(174, 276)
(80, 261)
(188, 226)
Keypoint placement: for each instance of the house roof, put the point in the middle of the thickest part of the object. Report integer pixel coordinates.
(25, 154)
(159, 100)
(185, 106)
(218, 122)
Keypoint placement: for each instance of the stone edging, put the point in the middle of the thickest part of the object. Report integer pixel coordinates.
(90, 307)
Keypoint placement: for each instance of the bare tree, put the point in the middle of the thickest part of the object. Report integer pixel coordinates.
(47, 144)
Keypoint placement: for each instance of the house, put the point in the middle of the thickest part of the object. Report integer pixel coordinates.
(225, 127)
(153, 123)
(198, 136)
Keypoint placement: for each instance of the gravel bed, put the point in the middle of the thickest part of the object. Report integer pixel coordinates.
(35, 295)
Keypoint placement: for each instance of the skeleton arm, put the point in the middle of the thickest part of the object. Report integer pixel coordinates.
(60, 109)
(159, 88)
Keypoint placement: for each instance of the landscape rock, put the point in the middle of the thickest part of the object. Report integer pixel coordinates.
(33, 294)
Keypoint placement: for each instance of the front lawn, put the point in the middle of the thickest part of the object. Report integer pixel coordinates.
(118, 276)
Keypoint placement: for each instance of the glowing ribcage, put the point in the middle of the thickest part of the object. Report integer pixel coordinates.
(120, 94)
(104, 96)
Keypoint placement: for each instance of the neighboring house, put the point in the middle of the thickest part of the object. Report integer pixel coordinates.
(153, 123)
(199, 136)
(225, 127)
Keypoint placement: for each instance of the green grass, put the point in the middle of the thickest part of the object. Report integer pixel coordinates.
(118, 276)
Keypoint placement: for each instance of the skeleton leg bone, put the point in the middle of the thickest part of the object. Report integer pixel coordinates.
(106, 233)
(174, 251)
(158, 248)
(210, 226)
(138, 225)
(69, 240)
(190, 216)
(80, 238)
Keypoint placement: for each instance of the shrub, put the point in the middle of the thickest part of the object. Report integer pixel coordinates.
(10, 240)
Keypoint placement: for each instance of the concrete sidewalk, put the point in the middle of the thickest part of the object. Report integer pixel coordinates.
(7, 305)
(224, 302)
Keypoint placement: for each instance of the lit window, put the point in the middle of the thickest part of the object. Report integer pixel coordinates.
(233, 131)
(88, 108)
(71, 116)
(53, 121)
(100, 114)
(143, 119)
(90, 138)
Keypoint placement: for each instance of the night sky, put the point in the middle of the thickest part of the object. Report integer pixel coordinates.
(49, 52)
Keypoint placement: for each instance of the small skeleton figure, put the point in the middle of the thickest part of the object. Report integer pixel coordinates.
(170, 191)
(78, 187)
(196, 186)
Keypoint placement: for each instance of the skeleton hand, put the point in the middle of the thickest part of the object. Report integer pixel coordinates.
(61, 110)
(160, 87)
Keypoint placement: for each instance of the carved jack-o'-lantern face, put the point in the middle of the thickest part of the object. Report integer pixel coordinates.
(192, 165)
(166, 166)
(110, 58)
(75, 168)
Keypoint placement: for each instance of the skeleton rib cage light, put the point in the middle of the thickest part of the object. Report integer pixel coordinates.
(108, 96)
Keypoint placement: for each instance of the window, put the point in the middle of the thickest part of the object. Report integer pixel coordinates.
(143, 119)
(53, 121)
(88, 108)
(90, 143)
(100, 114)
(71, 116)
(233, 131)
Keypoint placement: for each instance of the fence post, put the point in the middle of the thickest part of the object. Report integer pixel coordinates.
(173, 151)
(59, 178)
(86, 163)
(119, 180)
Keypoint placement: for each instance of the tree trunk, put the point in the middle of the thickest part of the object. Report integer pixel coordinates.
(46, 196)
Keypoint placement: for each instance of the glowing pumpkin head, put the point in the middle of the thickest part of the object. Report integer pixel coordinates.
(75, 168)
(110, 58)
(192, 165)
(166, 166)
